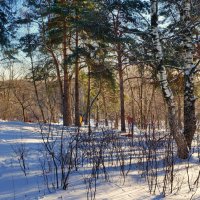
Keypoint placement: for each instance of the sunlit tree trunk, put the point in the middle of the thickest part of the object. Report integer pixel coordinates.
(166, 90)
(116, 120)
(97, 114)
(132, 100)
(67, 115)
(105, 109)
(141, 96)
(77, 111)
(87, 114)
(67, 118)
(119, 51)
(121, 86)
(179, 111)
(189, 68)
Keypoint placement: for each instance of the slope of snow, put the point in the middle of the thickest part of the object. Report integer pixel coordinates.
(13, 183)
(16, 137)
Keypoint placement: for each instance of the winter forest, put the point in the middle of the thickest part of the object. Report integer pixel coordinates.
(99, 99)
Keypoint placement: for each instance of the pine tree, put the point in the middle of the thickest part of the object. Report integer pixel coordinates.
(7, 28)
(123, 15)
(4, 20)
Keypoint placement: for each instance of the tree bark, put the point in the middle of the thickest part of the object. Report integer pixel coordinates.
(67, 115)
(116, 121)
(56, 63)
(166, 90)
(105, 109)
(67, 119)
(179, 112)
(119, 51)
(77, 110)
(97, 114)
(141, 88)
(36, 89)
(121, 85)
(87, 114)
(189, 68)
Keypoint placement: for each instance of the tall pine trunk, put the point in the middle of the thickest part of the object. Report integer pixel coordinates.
(189, 68)
(77, 110)
(141, 88)
(87, 114)
(67, 112)
(57, 66)
(97, 114)
(166, 90)
(121, 86)
(105, 109)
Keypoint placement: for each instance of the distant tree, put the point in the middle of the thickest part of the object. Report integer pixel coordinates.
(29, 44)
(123, 16)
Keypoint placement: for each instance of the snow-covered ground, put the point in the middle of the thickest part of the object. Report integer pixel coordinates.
(28, 180)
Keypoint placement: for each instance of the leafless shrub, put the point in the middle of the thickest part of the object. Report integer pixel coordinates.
(21, 152)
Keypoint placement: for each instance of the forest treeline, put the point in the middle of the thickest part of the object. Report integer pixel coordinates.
(103, 60)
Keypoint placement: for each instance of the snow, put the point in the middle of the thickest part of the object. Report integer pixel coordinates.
(13, 184)
(16, 137)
